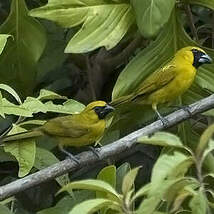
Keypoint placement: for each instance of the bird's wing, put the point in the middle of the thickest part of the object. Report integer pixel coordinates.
(68, 126)
(157, 80)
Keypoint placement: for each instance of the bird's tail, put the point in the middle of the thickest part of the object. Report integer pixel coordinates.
(23, 135)
(121, 100)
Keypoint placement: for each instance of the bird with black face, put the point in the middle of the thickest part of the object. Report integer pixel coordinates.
(168, 82)
(75, 130)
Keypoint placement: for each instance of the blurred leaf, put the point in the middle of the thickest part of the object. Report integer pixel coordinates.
(91, 206)
(8, 200)
(3, 41)
(129, 179)
(198, 204)
(95, 185)
(49, 95)
(204, 141)
(18, 61)
(104, 24)
(208, 150)
(162, 139)
(121, 172)
(152, 15)
(44, 159)
(204, 3)
(142, 191)
(4, 210)
(24, 151)
(11, 91)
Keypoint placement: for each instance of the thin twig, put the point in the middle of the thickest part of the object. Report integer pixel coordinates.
(108, 151)
(191, 21)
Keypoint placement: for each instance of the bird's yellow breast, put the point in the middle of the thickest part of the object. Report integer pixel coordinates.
(184, 77)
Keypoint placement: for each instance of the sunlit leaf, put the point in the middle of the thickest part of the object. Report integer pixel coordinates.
(90, 206)
(24, 151)
(198, 204)
(49, 95)
(3, 41)
(104, 23)
(151, 15)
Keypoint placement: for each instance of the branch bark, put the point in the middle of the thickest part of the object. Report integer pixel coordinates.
(108, 151)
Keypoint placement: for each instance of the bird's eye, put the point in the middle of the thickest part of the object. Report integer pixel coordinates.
(194, 50)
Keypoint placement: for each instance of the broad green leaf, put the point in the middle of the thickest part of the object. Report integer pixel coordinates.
(7, 107)
(167, 166)
(129, 179)
(142, 191)
(204, 141)
(162, 139)
(198, 204)
(18, 61)
(49, 95)
(44, 159)
(11, 91)
(148, 205)
(152, 15)
(91, 206)
(103, 23)
(5, 210)
(23, 150)
(121, 172)
(95, 185)
(3, 41)
(108, 174)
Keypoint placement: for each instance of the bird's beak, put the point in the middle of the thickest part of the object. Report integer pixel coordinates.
(108, 109)
(205, 59)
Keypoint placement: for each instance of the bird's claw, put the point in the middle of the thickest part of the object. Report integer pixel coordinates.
(71, 157)
(165, 122)
(95, 152)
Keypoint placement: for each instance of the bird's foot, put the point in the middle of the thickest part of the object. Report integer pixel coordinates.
(165, 122)
(70, 156)
(95, 151)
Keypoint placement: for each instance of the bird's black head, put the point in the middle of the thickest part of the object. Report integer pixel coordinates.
(200, 58)
(103, 111)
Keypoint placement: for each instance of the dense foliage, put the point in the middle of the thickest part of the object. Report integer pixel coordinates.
(57, 56)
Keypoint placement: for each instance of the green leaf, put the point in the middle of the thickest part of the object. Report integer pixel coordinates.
(24, 151)
(121, 172)
(142, 191)
(103, 24)
(11, 91)
(204, 141)
(128, 181)
(203, 3)
(68, 107)
(91, 206)
(171, 166)
(95, 185)
(148, 205)
(18, 61)
(208, 150)
(198, 204)
(162, 139)
(108, 174)
(152, 15)
(4, 210)
(44, 159)
(3, 41)
(49, 95)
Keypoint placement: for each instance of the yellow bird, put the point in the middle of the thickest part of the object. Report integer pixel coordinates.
(169, 82)
(74, 130)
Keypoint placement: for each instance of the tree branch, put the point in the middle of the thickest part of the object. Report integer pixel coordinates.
(108, 151)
